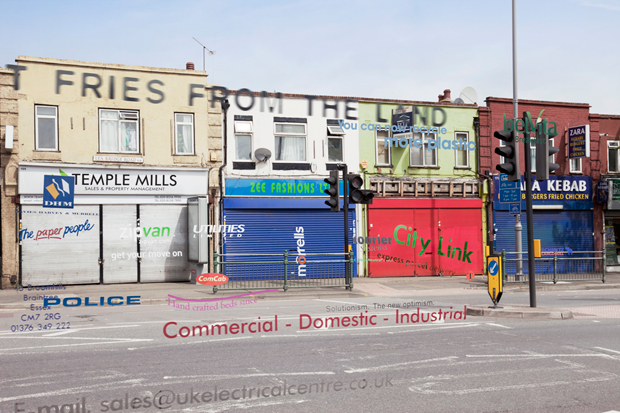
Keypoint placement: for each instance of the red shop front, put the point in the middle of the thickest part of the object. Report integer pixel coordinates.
(425, 237)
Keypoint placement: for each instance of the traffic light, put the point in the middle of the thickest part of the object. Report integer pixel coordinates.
(510, 152)
(543, 151)
(357, 195)
(332, 191)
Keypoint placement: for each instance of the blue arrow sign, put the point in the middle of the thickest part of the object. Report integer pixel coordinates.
(493, 267)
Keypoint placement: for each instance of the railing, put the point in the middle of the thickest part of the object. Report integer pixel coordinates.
(271, 271)
(578, 265)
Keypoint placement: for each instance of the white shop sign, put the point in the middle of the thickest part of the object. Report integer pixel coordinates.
(117, 180)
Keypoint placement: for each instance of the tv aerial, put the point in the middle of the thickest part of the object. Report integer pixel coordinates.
(211, 53)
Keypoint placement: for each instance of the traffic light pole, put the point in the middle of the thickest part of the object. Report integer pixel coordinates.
(347, 264)
(515, 112)
(530, 217)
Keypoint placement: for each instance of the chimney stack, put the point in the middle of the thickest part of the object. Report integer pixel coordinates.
(446, 95)
(189, 66)
(440, 98)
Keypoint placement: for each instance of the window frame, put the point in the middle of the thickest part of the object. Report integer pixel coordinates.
(36, 126)
(575, 171)
(138, 150)
(533, 152)
(617, 151)
(425, 137)
(335, 132)
(292, 135)
(251, 147)
(465, 149)
(176, 141)
(388, 148)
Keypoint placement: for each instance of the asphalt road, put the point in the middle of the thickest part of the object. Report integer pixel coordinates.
(118, 359)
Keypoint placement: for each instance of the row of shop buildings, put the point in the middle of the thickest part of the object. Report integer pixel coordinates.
(140, 141)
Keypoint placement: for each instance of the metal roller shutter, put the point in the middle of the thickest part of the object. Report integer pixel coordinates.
(120, 244)
(60, 245)
(273, 231)
(556, 230)
(163, 243)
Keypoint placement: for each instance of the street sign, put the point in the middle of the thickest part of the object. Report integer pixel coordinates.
(510, 195)
(515, 209)
(509, 191)
(602, 191)
(504, 183)
(494, 272)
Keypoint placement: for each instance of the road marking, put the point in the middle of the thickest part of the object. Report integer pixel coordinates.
(541, 355)
(407, 363)
(606, 349)
(341, 302)
(70, 345)
(242, 376)
(497, 325)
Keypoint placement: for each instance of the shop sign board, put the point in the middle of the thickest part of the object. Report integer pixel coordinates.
(58, 191)
(278, 187)
(572, 192)
(602, 191)
(579, 142)
(116, 180)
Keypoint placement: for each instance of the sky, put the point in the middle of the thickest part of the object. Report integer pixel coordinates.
(566, 49)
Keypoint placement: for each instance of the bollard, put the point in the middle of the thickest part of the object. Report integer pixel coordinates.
(285, 270)
(555, 267)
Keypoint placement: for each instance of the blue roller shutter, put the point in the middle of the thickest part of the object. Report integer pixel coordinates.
(558, 231)
(272, 231)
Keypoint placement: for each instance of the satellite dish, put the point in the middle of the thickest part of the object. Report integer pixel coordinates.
(469, 95)
(262, 154)
(459, 100)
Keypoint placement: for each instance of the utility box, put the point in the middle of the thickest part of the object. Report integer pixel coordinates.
(197, 230)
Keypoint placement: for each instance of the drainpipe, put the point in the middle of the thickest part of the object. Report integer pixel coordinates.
(225, 106)
(490, 179)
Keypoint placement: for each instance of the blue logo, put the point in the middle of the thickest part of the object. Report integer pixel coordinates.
(58, 191)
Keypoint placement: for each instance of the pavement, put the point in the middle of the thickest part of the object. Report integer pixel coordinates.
(154, 293)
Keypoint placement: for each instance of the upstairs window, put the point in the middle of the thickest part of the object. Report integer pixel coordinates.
(462, 157)
(424, 155)
(383, 151)
(46, 128)
(118, 131)
(184, 133)
(335, 135)
(290, 142)
(613, 150)
(243, 140)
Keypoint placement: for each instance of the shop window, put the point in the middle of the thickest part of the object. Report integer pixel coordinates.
(46, 128)
(184, 133)
(335, 135)
(424, 155)
(243, 140)
(118, 131)
(462, 157)
(290, 142)
(575, 165)
(383, 151)
(612, 156)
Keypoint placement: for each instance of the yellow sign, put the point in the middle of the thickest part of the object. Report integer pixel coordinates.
(494, 272)
(537, 249)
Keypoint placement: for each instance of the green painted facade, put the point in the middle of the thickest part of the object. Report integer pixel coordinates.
(458, 119)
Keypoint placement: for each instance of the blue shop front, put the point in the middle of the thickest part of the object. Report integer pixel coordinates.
(563, 211)
(281, 215)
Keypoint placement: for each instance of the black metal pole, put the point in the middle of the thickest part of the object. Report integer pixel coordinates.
(347, 264)
(530, 215)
